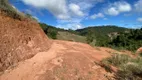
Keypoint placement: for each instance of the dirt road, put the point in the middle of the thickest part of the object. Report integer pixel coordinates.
(63, 61)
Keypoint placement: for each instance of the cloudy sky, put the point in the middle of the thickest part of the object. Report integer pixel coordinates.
(76, 14)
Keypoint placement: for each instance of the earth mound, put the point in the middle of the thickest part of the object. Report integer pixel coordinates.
(20, 40)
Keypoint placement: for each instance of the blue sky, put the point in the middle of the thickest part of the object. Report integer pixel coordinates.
(76, 14)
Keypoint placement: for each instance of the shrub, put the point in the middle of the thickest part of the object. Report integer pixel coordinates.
(130, 71)
(118, 59)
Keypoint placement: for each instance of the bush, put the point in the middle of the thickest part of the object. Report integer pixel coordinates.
(118, 59)
(52, 34)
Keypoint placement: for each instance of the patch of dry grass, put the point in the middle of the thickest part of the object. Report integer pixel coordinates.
(128, 68)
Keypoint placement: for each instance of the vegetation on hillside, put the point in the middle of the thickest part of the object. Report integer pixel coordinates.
(61, 34)
(131, 40)
(100, 33)
(49, 30)
(10, 10)
(104, 36)
(89, 37)
(65, 35)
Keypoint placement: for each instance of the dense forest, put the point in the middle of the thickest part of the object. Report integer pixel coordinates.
(131, 40)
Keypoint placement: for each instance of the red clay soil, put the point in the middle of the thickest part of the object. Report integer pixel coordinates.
(27, 54)
(63, 61)
(19, 40)
(139, 50)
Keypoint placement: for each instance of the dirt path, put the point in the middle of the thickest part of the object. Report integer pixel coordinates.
(63, 61)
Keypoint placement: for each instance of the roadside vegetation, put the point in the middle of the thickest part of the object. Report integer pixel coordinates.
(128, 68)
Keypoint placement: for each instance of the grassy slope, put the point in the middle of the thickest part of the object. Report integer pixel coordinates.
(65, 35)
(62, 34)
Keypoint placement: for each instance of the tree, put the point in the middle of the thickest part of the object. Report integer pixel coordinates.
(89, 37)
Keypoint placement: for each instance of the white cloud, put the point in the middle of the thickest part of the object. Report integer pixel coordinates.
(76, 9)
(123, 6)
(138, 6)
(105, 18)
(139, 19)
(72, 26)
(113, 11)
(117, 8)
(68, 12)
(99, 15)
(57, 7)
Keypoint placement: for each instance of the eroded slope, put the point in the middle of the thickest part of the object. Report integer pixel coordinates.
(19, 40)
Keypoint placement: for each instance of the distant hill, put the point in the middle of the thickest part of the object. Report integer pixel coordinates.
(101, 33)
(61, 34)
(96, 36)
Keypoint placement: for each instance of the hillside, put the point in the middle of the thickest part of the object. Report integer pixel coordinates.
(61, 34)
(104, 36)
(101, 33)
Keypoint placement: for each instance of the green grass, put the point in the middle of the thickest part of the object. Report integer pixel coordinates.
(63, 35)
(128, 68)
